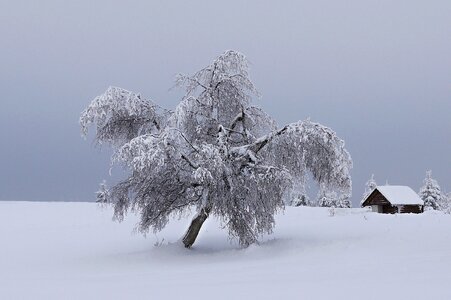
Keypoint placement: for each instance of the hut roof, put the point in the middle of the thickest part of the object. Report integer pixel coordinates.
(400, 195)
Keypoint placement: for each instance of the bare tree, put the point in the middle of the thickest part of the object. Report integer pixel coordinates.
(215, 152)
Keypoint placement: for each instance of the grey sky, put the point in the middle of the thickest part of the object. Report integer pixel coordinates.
(377, 72)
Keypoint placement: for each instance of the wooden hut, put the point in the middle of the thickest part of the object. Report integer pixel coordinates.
(390, 199)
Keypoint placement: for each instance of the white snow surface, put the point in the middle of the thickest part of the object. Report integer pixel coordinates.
(75, 251)
(400, 195)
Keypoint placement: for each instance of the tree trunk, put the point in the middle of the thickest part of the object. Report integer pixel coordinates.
(191, 234)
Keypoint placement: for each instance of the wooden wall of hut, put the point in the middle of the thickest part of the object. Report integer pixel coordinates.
(414, 209)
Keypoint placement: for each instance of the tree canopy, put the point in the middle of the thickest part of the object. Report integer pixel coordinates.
(215, 151)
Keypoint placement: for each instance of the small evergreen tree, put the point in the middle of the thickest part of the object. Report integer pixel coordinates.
(344, 201)
(102, 193)
(430, 192)
(370, 185)
(299, 196)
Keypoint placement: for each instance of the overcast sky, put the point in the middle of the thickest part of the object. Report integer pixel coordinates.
(377, 72)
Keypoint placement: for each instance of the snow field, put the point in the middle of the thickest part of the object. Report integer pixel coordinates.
(74, 251)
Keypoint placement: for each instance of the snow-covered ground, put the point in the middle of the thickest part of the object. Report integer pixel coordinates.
(75, 251)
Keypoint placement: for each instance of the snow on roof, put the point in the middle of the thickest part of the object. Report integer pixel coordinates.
(400, 195)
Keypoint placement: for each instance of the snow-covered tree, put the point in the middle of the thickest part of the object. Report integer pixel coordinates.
(344, 201)
(215, 152)
(430, 192)
(299, 195)
(445, 203)
(301, 200)
(102, 193)
(370, 186)
(328, 198)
